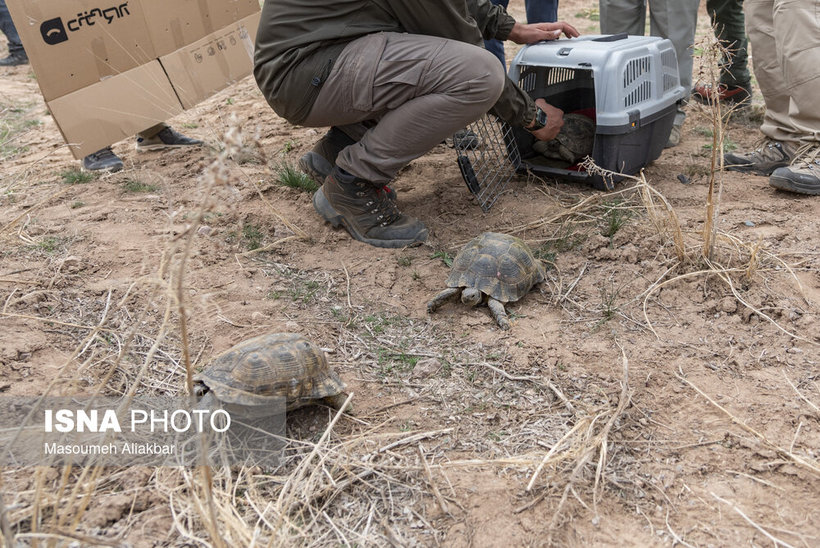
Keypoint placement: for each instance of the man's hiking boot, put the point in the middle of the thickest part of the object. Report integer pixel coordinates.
(366, 211)
(167, 138)
(730, 95)
(803, 175)
(769, 156)
(319, 161)
(103, 160)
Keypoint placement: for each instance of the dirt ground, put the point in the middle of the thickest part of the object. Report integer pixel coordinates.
(654, 397)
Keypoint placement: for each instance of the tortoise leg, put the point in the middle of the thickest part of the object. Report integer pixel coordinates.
(439, 299)
(337, 401)
(499, 313)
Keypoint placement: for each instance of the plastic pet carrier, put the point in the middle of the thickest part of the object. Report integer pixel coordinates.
(627, 86)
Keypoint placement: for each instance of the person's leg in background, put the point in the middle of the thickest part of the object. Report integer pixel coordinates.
(781, 138)
(676, 20)
(156, 137)
(496, 47)
(618, 16)
(797, 36)
(541, 11)
(17, 55)
(735, 84)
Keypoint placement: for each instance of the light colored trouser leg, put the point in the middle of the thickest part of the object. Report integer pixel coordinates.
(421, 89)
(785, 43)
(627, 16)
(673, 19)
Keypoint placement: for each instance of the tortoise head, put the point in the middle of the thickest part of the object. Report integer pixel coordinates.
(471, 296)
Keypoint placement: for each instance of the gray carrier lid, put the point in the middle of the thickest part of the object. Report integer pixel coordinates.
(631, 73)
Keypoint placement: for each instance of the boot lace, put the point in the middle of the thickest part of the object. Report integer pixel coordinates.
(807, 154)
(379, 203)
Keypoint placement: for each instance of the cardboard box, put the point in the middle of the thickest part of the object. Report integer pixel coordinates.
(110, 71)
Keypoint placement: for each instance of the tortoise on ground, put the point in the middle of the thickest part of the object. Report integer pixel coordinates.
(269, 370)
(498, 266)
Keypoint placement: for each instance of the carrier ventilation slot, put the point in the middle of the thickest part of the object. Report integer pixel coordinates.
(528, 80)
(670, 70)
(560, 74)
(637, 82)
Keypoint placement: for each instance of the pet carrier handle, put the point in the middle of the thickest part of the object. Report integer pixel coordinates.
(611, 37)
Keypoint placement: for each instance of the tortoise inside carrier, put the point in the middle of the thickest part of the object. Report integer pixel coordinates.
(497, 266)
(269, 370)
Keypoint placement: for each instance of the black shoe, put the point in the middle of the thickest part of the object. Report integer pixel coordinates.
(167, 138)
(366, 212)
(103, 160)
(319, 162)
(14, 59)
(465, 139)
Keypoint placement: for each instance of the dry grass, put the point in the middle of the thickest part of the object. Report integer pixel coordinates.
(374, 479)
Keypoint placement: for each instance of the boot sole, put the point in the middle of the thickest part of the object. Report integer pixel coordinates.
(743, 168)
(783, 183)
(151, 148)
(323, 208)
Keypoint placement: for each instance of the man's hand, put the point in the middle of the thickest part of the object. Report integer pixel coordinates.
(530, 34)
(555, 121)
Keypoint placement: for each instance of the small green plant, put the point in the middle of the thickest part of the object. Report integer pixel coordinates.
(728, 145)
(615, 217)
(252, 236)
(287, 175)
(50, 244)
(136, 187)
(305, 291)
(190, 125)
(445, 257)
(416, 276)
(404, 261)
(229, 101)
(609, 308)
(75, 176)
(289, 146)
(76, 205)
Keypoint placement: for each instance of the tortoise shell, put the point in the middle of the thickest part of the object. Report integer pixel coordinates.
(268, 368)
(498, 265)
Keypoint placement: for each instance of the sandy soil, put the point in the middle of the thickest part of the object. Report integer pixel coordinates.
(711, 440)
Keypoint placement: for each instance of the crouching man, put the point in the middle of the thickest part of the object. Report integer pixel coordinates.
(393, 79)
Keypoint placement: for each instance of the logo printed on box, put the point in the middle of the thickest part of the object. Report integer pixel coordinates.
(54, 30)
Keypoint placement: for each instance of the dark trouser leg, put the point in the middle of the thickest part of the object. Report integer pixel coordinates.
(730, 28)
(496, 47)
(8, 28)
(541, 11)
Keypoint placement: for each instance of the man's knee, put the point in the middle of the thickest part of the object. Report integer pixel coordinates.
(487, 75)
